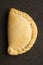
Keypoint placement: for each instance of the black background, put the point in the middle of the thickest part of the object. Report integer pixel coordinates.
(35, 55)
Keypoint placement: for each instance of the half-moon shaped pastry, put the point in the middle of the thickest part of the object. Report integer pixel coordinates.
(22, 32)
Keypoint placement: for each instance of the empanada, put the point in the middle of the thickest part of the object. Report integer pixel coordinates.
(22, 32)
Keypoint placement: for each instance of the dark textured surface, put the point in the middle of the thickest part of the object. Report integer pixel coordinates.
(35, 55)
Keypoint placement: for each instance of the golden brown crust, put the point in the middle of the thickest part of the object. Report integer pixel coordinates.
(34, 30)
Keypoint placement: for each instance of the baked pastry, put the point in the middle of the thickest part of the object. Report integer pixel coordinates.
(22, 32)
